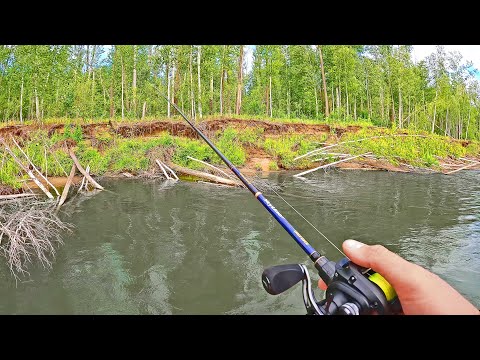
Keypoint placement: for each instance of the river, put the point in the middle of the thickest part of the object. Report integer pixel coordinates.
(158, 247)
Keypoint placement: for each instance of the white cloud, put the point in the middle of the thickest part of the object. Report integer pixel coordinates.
(469, 52)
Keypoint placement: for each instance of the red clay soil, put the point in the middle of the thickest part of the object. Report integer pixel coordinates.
(176, 128)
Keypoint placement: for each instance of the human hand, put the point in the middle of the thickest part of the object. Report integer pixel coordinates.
(420, 292)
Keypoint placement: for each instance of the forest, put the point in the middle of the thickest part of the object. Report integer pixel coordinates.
(380, 84)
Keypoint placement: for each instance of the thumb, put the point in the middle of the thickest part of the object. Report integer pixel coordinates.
(396, 270)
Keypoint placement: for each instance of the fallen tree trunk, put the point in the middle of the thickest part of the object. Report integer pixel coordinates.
(210, 165)
(28, 171)
(67, 187)
(206, 176)
(163, 169)
(463, 167)
(34, 167)
(327, 165)
(82, 170)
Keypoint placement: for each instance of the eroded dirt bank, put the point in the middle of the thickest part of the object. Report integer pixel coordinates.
(257, 159)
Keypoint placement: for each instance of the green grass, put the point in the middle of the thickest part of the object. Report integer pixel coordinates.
(112, 154)
(286, 148)
(414, 150)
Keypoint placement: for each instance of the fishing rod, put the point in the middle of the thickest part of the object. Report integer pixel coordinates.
(351, 289)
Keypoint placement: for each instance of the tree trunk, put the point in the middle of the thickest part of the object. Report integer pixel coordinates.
(288, 102)
(87, 63)
(37, 107)
(112, 110)
(338, 99)
(93, 93)
(144, 110)
(21, 102)
(325, 94)
(434, 111)
(221, 82)
(382, 102)
(355, 108)
(211, 95)
(199, 101)
(238, 103)
(192, 97)
(348, 107)
(400, 124)
(368, 98)
(468, 123)
(123, 76)
(446, 122)
(270, 95)
(168, 88)
(134, 81)
(333, 101)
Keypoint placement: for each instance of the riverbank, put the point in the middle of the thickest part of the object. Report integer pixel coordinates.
(129, 148)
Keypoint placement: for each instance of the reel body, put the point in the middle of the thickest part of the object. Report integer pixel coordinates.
(352, 290)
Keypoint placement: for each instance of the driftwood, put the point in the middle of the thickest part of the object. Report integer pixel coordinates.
(327, 165)
(84, 181)
(67, 187)
(351, 141)
(14, 196)
(463, 167)
(82, 170)
(163, 169)
(210, 165)
(27, 170)
(34, 167)
(206, 176)
(173, 173)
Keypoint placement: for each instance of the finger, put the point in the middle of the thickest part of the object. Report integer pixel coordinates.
(396, 270)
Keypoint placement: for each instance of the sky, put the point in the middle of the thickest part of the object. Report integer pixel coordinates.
(469, 52)
(420, 52)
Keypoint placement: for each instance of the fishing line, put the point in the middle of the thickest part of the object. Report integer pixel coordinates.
(286, 202)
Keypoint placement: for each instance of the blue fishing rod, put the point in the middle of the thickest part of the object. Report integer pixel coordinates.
(351, 289)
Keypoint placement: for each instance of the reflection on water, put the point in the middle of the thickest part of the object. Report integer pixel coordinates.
(156, 247)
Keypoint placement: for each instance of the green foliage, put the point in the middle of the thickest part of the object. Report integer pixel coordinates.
(250, 135)
(286, 148)
(128, 155)
(272, 165)
(197, 149)
(9, 173)
(231, 147)
(98, 163)
(409, 147)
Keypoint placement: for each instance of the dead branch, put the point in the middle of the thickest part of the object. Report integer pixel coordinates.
(29, 229)
(14, 196)
(206, 176)
(463, 167)
(82, 170)
(210, 165)
(28, 171)
(327, 165)
(67, 187)
(34, 167)
(163, 169)
(351, 141)
(173, 173)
